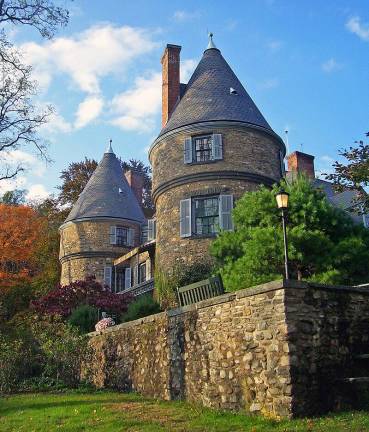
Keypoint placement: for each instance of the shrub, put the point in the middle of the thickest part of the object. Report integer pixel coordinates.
(45, 350)
(190, 273)
(64, 299)
(165, 289)
(104, 324)
(84, 317)
(143, 306)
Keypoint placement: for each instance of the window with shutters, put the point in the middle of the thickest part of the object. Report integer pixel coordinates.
(206, 215)
(122, 236)
(203, 149)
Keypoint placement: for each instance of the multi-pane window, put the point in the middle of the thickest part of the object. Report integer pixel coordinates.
(203, 148)
(206, 215)
(142, 273)
(121, 236)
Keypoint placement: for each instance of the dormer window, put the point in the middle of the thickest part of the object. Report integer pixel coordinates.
(203, 148)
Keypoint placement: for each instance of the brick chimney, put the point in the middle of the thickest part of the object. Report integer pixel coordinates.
(301, 163)
(170, 81)
(136, 181)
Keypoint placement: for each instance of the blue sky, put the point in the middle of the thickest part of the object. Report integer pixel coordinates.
(305, 64)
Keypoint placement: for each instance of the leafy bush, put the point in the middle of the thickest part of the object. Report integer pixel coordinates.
(143, 306)
(64, 299)
(84, 317)
(46, 350)
(195, 272)
(165, 289)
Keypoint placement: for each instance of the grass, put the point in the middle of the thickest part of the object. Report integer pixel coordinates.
(112, 411)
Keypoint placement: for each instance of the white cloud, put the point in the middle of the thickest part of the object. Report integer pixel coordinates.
(37, 192)
(135, 109)
(28, 161)
(56, 124)
(184, 16)
(324, 165)
(269, 83)
(274, 45)
(354, 25)
(88, 110)
(88, 56)
(331, 65)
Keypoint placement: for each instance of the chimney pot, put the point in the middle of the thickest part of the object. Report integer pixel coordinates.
(170, 80)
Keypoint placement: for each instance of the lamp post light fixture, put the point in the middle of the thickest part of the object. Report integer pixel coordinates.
(282, 203)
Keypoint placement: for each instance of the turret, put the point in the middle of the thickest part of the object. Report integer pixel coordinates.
(104, 223)
(215, 146)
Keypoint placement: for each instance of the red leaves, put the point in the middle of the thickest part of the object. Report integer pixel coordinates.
(63, 299)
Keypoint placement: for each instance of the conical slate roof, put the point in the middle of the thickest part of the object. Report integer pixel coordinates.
(107, 194)
(209, 96)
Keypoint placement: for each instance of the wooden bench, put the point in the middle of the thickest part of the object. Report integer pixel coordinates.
(199, 291)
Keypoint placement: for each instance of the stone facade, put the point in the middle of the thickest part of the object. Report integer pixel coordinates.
(277, 349)
(250, 157)
(85, 247)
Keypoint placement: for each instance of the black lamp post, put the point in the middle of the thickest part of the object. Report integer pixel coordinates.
(282, 203)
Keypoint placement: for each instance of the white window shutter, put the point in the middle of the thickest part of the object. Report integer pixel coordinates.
(151, 229)
(217, 147)
(135, 275)
(130, 236)
(107, 276)
(148, 269)
(127, 278)
(185, 218)
(225, 212)
(113, 235)
(188, 150)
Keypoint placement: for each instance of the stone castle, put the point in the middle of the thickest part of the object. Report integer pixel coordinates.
(213, 147)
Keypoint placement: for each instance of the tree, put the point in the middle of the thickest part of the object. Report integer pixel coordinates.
(20, 120)
(20, 231)
(64, 299)
(14, 197)
(354, 174)
(324, 244)
(43, 15)
(74, 180)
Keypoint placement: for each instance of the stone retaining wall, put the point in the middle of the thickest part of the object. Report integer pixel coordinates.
(276, 349)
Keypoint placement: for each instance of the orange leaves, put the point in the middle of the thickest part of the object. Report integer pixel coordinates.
(21, 229)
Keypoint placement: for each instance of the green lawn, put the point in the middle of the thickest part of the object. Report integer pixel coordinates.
(110, 411)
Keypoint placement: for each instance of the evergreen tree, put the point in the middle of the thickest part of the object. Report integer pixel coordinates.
(324, 243)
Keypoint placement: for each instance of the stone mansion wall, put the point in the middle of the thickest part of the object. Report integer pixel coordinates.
(276, 349)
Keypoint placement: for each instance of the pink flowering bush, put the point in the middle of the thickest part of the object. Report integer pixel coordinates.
(104, 323)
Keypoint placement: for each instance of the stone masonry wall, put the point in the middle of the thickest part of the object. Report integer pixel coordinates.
(246, 151)
(276, 349)
(85, 248)
(171, 249)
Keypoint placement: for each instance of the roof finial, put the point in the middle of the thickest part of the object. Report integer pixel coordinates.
(211, 43)
(110, 148)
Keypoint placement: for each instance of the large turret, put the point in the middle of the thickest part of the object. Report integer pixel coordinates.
(215, 146)
(104, 223)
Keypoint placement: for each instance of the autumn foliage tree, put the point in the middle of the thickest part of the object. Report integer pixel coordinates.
(20, 230)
